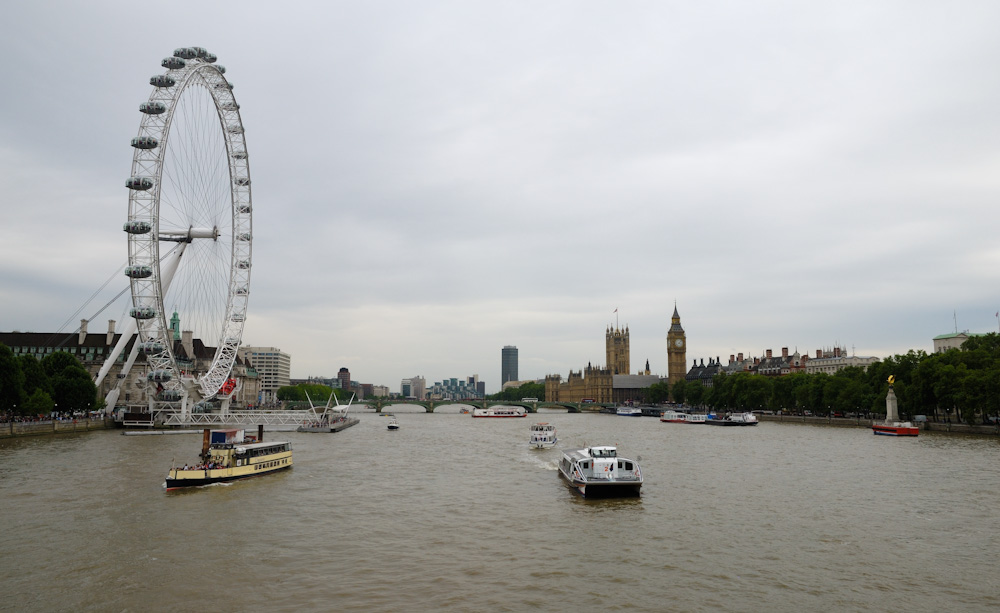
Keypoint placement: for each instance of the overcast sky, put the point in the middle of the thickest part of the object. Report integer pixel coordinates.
(435, 180)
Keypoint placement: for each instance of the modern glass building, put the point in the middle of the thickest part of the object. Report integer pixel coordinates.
(508, 364)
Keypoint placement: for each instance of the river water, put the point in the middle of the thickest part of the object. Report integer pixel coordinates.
(452, 513)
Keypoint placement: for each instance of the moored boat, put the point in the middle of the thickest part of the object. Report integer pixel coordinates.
(674, 417)
(599, 471)
(896, 428)
(543, 435)
(629, 411)
(227, 455)
(736, 419)
(500, 411)
(695, 418)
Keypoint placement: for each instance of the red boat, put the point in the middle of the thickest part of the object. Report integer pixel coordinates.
(896, 428)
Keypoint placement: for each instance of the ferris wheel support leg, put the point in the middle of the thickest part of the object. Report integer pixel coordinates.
(225, 405)
(126, 336)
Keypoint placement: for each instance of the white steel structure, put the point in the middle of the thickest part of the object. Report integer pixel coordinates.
(189, 227)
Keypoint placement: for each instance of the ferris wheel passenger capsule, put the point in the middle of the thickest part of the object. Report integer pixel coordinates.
(139, 183)
(139, 272)
(152, 108)
(244, 181)
(173, 63)
(239, 155)
(243, 264)
(160, 376)
(244, 209)
(238, 317)
(137, 227)
(221, 68)
(142, 312)
(169, 396)
(224, 85)
(200, 51)
(243, 236)
(145, 142)
(186, 53)
(151, 347)
(210, 57)
(162, 80)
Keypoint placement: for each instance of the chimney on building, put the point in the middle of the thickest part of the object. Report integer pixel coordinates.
(769, 354)
(187, 340)
(111, 332)
(83, 331)
(739, 357)
(819, 353)
(836, 352)
(731, 358)
(784, 352)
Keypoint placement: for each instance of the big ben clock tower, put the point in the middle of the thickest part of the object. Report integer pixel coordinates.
(676, 350)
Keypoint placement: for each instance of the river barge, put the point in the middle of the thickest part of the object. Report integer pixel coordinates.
(598, 472)
(228, 455)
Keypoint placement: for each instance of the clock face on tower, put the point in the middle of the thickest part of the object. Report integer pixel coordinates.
(679, 342)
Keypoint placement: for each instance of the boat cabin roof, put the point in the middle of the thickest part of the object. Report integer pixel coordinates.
(603, 452)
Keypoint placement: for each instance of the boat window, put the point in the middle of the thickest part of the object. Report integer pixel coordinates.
(628, 466)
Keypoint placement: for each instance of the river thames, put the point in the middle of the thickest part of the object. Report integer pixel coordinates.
(452, 513)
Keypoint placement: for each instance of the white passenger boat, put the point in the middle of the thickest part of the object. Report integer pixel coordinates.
(393, 424)
(599, 471)
(543, 436)
(629, 411)
(500, 411)
(736, 419)
(674, 417)
(227, 455)
(695, 418)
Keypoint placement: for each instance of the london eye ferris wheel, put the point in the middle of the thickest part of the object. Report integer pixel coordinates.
(189, 225)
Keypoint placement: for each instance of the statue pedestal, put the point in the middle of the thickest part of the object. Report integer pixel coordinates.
(891, 411)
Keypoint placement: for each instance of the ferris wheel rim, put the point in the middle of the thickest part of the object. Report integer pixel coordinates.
(189, 67)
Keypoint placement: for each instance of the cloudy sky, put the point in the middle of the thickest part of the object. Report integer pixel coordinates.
(434, 180)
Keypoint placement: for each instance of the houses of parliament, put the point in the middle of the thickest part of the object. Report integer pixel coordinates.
(614, 381)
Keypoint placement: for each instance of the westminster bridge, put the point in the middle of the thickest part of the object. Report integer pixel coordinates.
(380, 404)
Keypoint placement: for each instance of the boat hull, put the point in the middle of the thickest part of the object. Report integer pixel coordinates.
(614, 489)
(185, 480)
(726, 422)
(895, 430)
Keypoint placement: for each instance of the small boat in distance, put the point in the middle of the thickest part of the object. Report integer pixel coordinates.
(500, 411)
(599, 472)
(629, 411)
(673, 417)
(227, 455)
(543, 435)
(736, 419)
(393, 424)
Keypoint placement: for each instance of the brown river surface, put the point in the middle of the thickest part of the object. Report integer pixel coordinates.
(452, 513)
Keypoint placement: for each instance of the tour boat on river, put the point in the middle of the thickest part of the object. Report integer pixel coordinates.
(736, 419)
(599, 471)
(227, 455)
(673, 417)
(498, 411)
(543, 436)
(696, 418)
(629, 411)
(393, 424)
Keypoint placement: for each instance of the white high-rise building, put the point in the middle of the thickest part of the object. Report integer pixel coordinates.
(273, 366)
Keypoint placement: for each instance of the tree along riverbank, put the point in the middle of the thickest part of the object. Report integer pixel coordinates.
(57, 426)
(861, 422)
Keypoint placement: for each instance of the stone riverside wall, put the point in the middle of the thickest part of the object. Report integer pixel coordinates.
(34, 428)
(849, 422)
